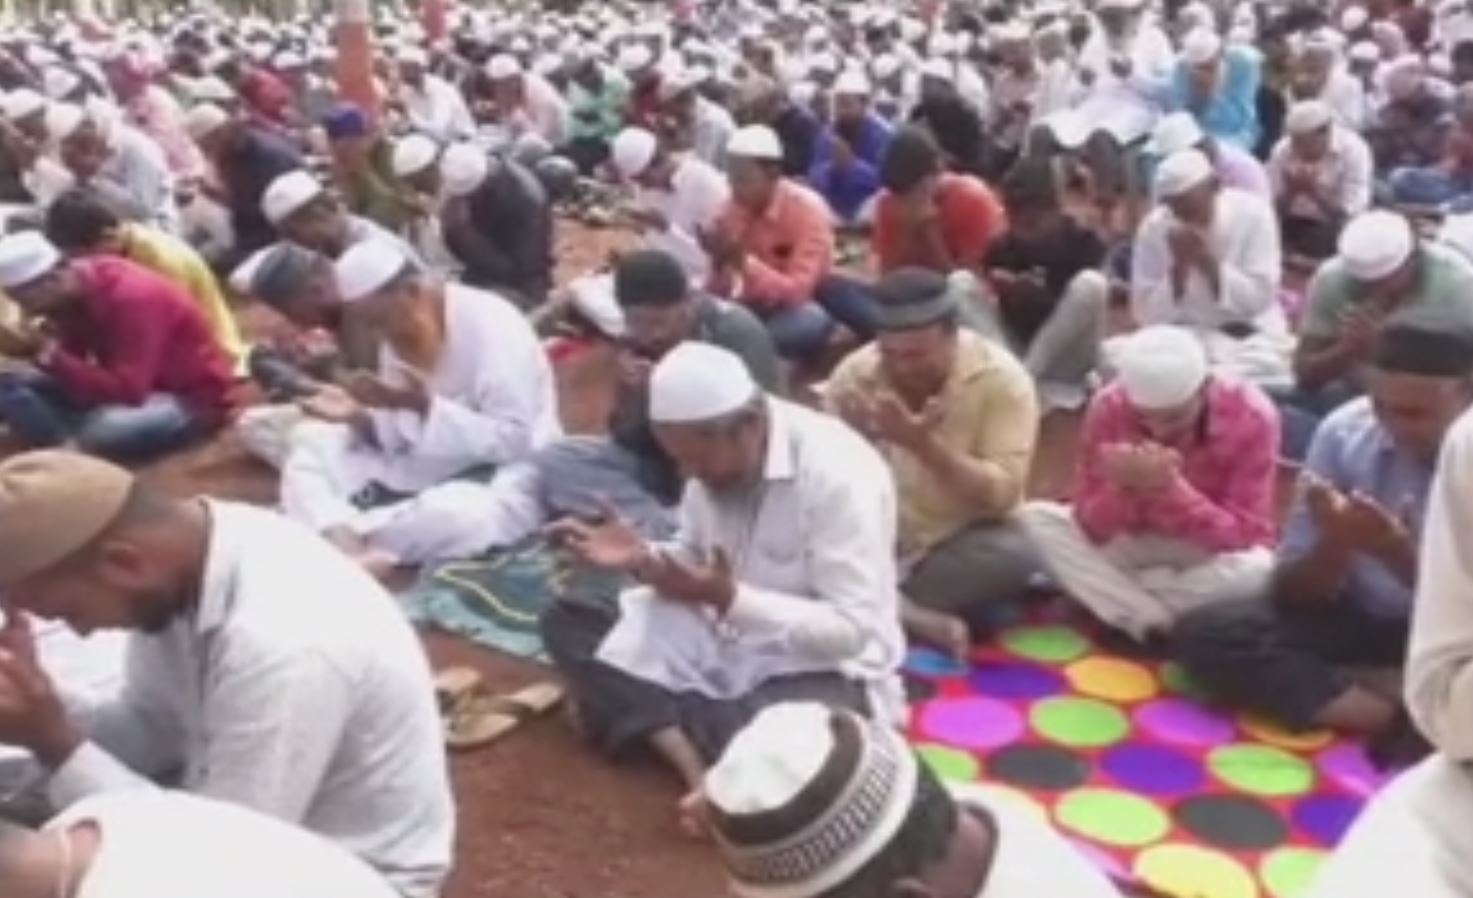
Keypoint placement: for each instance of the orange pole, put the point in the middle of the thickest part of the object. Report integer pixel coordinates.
(433, 17)
(354, 39)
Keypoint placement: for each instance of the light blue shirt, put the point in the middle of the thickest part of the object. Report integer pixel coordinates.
(1232, 113)
(1354, 453)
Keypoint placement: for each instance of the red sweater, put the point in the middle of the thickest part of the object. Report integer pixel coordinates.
(135, 334)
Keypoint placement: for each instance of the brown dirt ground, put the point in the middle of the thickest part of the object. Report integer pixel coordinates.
(540, 816)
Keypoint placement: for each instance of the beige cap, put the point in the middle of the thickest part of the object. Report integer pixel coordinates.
(53, 503)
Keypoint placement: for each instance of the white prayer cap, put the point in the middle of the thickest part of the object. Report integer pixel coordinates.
(413, 56)
(823, 62)
(852, 83)
(698, 382)
(24, 257)
(816, 792)
(63, 120)
(211, 90)
(941, 69)
(1120, 4)
(632, 151)
(203, 120)
(885, 65)
(1174, 133)
(1353, 19)
(940, 44)
(286, 195)
(464, 167)
(634, 57)
(1201, 47)
(1365, 51)
(57, 82)
(1162, 367)
(1069, 128)
(367, 267)
(243, 276)
(1008, 33)
(1457, 232)
(413, 154)
(755, 142)
(1402, 76)
(1308, 116)
(1180, 172)
(22, 103)
(287, 60)
(502, 66)
(593, 297)
(1374, 244)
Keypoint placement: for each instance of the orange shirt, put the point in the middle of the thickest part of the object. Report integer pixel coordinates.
(790, 247)
(971, 218)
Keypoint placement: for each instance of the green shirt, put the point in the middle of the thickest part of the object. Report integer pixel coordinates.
(1444, 284)
(600, 115)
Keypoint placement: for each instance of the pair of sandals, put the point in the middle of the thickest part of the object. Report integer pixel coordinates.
(475, 717)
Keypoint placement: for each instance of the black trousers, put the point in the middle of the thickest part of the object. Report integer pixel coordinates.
(619, 712)
(1281, 661)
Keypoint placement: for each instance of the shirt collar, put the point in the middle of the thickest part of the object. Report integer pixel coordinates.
(218, 583)
(780, 464)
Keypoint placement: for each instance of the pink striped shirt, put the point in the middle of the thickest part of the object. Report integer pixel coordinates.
(1223, 500)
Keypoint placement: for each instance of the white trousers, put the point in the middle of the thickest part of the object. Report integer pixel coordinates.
(442, 520)
(1140, 584)
(1414, 839)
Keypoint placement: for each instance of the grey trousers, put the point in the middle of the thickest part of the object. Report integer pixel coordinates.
(1067, 348)
(974, 570)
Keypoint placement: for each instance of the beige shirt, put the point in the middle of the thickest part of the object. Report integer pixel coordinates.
(990, 413)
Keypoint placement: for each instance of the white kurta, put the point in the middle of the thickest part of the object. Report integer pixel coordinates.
(1126, 107)
(1345, 176)
(494, 403)
(697, 196)
(438, 110)
(812, 550)
(1032, 859)
(1439, 680)
(296, 688)
(1415, 838)
(1244, 238)
(171, 845)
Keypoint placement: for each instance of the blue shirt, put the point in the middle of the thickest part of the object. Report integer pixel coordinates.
(847, 190)
(1353, 453)
(1232, 113)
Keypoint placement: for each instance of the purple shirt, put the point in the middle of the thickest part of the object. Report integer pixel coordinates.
(1236, 167)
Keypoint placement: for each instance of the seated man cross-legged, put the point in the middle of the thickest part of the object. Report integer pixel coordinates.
(955, 416)
(780, 584)
(1173, 502)
(1347, 568)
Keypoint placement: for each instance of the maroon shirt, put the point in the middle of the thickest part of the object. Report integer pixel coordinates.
(135, 334)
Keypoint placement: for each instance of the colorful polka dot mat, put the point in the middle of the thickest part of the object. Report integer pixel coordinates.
(1125, 758)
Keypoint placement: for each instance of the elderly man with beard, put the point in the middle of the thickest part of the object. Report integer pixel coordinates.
(779, 585)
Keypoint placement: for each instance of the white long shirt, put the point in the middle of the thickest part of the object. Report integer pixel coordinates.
(698, 193)
(1344, 177)
(438, 110)
(812, 551)
(1439, 680)
(295, 687)
(156, 844)
(1126, 107)
(1244, 238)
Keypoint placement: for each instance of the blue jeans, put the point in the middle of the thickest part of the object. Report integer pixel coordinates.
(802, 331)
(1300, 414)
(39, 412)
(1427, 186)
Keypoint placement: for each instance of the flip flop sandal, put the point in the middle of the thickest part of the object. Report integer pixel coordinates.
(480, 719)
(453, 685)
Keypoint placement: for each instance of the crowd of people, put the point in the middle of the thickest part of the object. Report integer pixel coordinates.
(873, 246)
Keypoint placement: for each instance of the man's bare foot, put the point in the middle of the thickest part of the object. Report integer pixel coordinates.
(693, 818)
(946, 632)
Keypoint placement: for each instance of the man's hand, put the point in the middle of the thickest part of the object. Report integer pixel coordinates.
(724, 250)
(1188, 246)
(634, 370)
(843, 153)
(1355, 523)
(20, 342)
(333, 404)
(711, 585)
(1359, 330)
(31, 713)
(371, 391)
(859, 413)
(1157, 468)
(918, 208)
(894, 423)
(607, 542)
